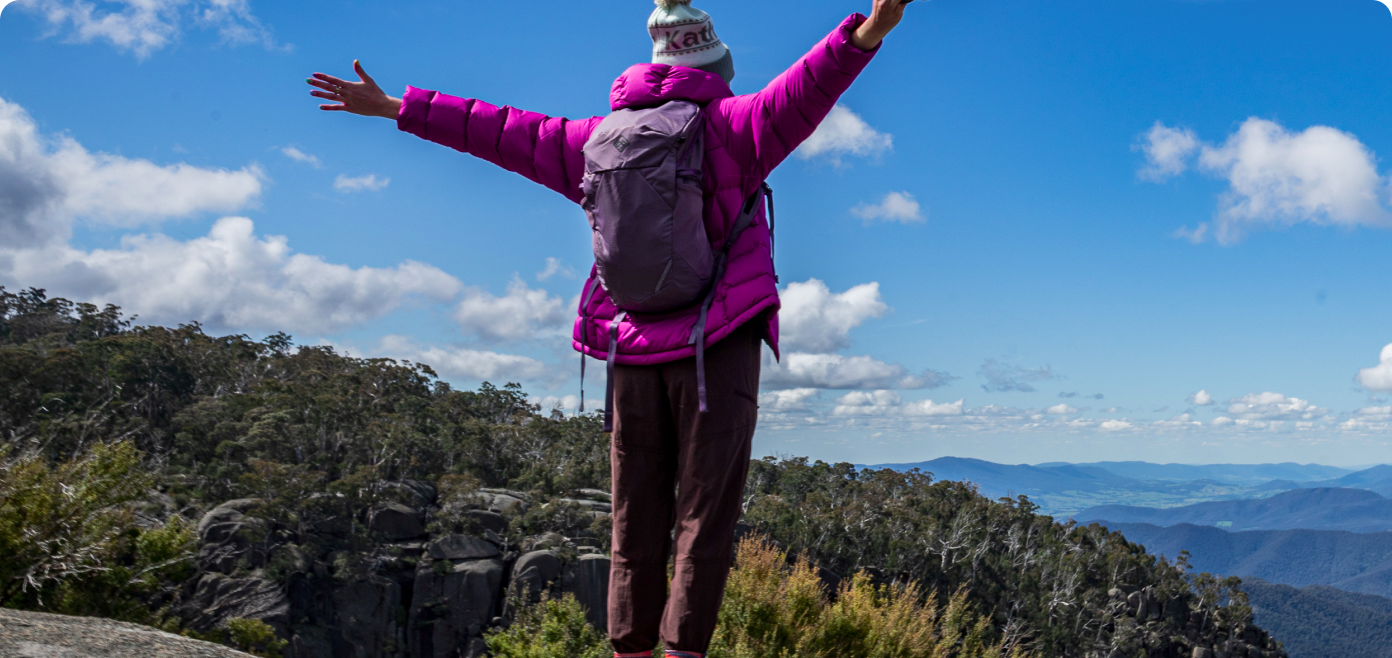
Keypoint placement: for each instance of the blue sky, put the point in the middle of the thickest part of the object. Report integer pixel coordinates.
(1033, 231)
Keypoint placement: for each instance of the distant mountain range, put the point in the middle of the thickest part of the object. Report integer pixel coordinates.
(1354, 510)
(1064, 489)
(1322, 622)
(1355, 562)
(1233, 473)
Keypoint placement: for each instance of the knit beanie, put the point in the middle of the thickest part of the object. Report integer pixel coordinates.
(684, 36)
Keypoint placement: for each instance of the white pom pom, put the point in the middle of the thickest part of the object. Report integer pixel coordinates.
(668, 4)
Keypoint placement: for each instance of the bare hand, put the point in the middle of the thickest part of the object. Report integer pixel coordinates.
(364, 97)
(884, 15)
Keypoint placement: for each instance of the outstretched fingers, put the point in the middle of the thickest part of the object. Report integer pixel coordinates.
(362, 74)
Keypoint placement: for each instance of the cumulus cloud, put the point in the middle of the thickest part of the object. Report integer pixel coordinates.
(794, 399)
(814, 319)
(1001, 377)
(895, 207)
(844, 133)
(300, 156)
(359, 183)
(888, 403)
(1201, 399)
(228, 279)
(1273, 406)
(554, 267)
(145, 26)
(521, 314)
(47, 183)
(463, 363)
(1378, 377)
(1277, 177)
(1167, 151)
(1115, 425)
(801, 370)
(1062, 409)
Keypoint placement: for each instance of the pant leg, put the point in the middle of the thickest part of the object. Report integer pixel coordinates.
(643, 456)
(712, 465)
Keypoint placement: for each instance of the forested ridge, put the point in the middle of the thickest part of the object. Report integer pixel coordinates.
(265, 494)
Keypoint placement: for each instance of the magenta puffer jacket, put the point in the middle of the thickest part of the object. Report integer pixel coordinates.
(746, 137)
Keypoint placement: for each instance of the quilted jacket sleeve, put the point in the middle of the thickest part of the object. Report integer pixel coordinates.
(764, 128)
(544, 149)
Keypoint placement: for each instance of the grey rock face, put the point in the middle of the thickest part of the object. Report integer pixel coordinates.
(395, 522)
(503, 500)
(589, 505)
(416, 494)
(227, 535)
(217, 598)
(461, 547)
(366, 616)
(588, 579)
(448, 609)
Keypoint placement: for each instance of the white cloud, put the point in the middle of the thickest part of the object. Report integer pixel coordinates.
(1273, 406)
(1222, 421)
(1115, 425)
(814, 319)
(145, 26)
(48, 183)
(1061, 408)
(1201, 399)
(1195, 235)
(554, 267)
(843, 132)
(1167, 151)
(300, 156)
(229, 279)
(1002, 377)
(801, 370)
(895, 207)
(888, 403)
(1379, 377)
(522, 314)
(796, 399)
(462, 363)
(359, 183)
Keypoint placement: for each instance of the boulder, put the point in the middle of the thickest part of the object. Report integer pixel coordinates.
(395, 522)
(416, 494)
(366, 618)
(231, 511)
(217, 598)
(488, 519)
(503, 500)
(534, 573)
(449, 609)
(594, 494)
(588, 579)
(461, 547)
(589, 505)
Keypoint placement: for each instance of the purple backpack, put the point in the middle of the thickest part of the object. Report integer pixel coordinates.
(643, 196)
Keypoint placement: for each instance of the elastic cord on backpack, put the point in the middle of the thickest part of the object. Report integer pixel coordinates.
(698, 332)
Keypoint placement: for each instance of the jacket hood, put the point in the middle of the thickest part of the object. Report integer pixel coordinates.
(649, 85)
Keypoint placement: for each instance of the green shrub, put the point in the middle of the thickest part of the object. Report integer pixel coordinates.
(773, 610)
(254, 636)
(554, 628)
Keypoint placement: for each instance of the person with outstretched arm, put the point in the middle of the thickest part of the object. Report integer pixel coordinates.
(681, 430)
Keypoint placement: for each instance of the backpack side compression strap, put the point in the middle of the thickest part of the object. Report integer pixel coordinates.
(698, 332)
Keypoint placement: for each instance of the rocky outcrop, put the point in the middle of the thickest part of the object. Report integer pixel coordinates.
(41, 635)
(410, 592)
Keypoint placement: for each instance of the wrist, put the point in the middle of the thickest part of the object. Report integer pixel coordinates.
(867, 36)
(392, 109)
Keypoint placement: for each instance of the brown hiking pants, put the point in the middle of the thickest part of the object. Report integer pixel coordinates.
(674, 467)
